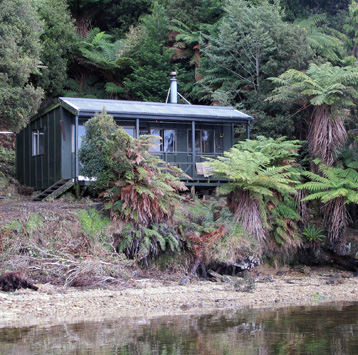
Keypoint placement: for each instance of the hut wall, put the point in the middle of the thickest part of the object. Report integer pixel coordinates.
(38, 151)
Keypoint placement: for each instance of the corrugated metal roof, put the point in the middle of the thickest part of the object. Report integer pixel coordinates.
(152, 110)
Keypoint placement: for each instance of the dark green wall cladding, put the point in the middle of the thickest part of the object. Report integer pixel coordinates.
(66, 144)
(43, 170)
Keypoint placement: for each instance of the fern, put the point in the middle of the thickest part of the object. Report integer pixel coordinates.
(335, 189)
(254, 180)
(334, 183)
(329, 89)
(313, 234)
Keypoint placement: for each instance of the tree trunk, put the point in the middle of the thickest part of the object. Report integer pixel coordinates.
(336, 220)
(326, 134)
(247, 212)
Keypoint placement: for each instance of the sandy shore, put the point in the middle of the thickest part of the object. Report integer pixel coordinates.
(151, 298)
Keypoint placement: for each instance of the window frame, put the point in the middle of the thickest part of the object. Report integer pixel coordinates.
(200, 151)
(80, 124)
(161, 145)
(38, 142)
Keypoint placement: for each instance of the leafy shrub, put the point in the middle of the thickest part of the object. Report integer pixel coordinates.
(7, 162)
(140, 190)
(103, 137)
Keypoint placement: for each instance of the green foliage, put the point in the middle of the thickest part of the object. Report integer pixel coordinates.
(59, 42)
(139, 189)
(335, 188)
(20, 48)
(279, 150)
(7, 162)
(103, 137)
(256, 185)
(351, 28)
(93, 223)
(325, 42)
(211, 234)
(103, 63)
(147, 191)
(334, 183)
(313, 233)
(140, 242)
(323, 84)
(195, 12)
(101, 51)
(35, 221)
(114, 16)
(282, 219)
(251, 171)
(26, 227)
(149, 79)
(247, 47)
(330, 90)
(304, 8)
(250, 44)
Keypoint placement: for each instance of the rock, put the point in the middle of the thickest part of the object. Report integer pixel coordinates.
(246, 284)
(306, 270)
(346, 276)
(280, 273)
(335, 280)
(184, 307)
(184, 281)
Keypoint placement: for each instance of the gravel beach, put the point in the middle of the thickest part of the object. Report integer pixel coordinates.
(150, 298)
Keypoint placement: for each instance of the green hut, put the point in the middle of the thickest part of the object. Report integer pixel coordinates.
(47, 148)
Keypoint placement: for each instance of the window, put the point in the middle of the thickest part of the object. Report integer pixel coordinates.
(130, 131)
(38, 142)
(168, 143)
(81, 135)
(204, 141)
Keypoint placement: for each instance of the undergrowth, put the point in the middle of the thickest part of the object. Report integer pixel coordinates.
(72, 249)
(212, 236)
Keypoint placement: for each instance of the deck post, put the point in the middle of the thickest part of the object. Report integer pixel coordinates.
(76, 149)
(232, 134)
(193, 145)
(137, 128)
(248, 130)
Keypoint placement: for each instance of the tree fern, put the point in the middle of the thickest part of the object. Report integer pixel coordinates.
(335, 189)
(324, 41)
(329, 89)
(253, 181)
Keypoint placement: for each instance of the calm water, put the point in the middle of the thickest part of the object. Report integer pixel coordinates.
(330, 329)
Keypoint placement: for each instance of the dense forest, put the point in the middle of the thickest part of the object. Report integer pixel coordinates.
(225, 52)
(290, 64)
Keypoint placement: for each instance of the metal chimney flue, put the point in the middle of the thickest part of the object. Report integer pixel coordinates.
(173, 88)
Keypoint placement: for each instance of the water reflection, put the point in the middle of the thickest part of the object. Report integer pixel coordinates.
(331, 329)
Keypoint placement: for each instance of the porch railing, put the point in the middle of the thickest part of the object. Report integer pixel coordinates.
(185, 161)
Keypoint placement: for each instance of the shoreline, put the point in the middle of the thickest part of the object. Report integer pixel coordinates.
(151, 298)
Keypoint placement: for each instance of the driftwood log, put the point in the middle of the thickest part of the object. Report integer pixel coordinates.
(12, 281)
